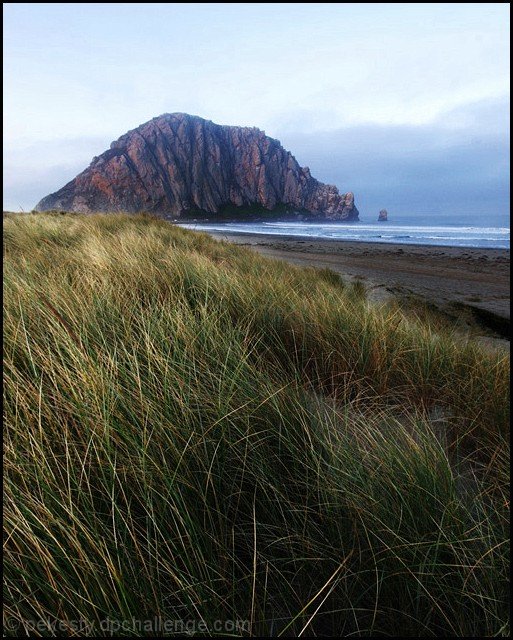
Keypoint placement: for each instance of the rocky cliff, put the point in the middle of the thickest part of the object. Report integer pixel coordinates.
(181, 166)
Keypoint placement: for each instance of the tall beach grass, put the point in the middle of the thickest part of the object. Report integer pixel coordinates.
(201, 436)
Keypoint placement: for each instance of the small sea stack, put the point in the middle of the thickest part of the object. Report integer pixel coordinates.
(383, 215)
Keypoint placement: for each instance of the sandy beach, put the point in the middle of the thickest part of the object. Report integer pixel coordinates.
(471, 284)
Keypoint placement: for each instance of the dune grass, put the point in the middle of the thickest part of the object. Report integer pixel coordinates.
(228, 444)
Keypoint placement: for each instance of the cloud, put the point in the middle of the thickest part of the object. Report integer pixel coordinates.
(33, 171)
(458, 164)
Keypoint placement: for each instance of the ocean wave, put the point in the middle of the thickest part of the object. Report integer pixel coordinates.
(396, 228)
(464, 236)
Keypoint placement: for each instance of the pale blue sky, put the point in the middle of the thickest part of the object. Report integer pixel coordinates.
(361, 93)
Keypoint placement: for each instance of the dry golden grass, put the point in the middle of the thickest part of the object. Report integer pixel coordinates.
(196, 433)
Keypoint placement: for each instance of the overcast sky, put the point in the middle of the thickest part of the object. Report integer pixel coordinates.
(405, 104)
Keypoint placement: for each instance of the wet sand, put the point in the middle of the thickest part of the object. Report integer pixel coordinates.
(458, 281)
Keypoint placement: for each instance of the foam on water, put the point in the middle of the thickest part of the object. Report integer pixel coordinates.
(382, 232)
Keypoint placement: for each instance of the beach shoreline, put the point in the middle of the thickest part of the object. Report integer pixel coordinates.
(234, 233)
(473, 283)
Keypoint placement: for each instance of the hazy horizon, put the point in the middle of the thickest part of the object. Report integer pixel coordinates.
(406, 105)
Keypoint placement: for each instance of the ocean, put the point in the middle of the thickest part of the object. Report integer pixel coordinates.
(403, 230)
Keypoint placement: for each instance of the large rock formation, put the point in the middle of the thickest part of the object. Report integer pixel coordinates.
(383, 215)
(181, 166)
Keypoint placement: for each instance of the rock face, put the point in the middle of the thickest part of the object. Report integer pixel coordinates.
(383, 215)
(181, 166)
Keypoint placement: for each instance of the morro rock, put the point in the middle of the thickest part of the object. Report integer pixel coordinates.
(383, 215)
(181, 166)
